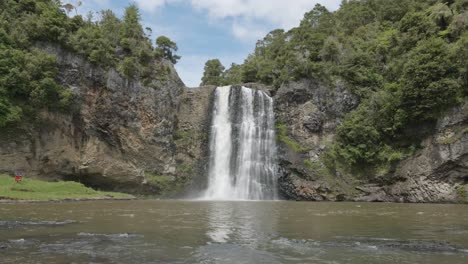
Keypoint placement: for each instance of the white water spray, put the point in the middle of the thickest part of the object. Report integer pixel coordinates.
(242, 146)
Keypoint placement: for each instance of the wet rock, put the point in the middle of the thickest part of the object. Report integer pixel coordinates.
(296, 188)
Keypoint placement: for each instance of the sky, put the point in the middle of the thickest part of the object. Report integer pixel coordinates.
(207, 29)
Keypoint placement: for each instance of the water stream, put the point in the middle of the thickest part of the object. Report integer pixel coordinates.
(242, 146)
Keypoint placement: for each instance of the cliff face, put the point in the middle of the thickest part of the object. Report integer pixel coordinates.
(118, 136)
(122, 135)
(310, 113)
(438, 172)
(192, 137)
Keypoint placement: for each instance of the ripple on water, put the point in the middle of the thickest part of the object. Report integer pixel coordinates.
(365, 243)
(19, 223)
(120, 235)
(235, 254)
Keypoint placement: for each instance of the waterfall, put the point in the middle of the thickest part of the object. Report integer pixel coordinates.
(242, 162)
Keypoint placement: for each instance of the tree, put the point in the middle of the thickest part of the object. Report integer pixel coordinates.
(166, 48)
(213, 74)
(429, 80)
(131, 31)
(233, 75)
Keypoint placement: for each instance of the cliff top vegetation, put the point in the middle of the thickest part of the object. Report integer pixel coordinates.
(28, 75)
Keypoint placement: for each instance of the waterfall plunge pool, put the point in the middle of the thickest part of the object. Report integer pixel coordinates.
(177, 231)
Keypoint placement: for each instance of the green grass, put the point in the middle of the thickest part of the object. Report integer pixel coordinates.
(30, 189)
(283, 137)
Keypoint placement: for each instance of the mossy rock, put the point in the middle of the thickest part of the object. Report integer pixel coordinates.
(283, 137)
(462, 193)
(166, 185)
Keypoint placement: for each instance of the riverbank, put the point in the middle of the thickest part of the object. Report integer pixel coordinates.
(31, 190)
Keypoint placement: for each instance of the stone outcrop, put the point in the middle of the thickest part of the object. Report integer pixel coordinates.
(311, 112)
(191, 137)
(118, 133)
(438, 172)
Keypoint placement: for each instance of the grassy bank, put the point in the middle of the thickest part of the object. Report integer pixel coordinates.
(30, 189)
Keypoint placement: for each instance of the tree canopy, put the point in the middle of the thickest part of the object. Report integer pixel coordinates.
(28, 75)
(167, 49)
(213, 74)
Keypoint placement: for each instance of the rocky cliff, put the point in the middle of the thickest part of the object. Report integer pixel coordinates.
(119, 134)
(308, 114)
(123, 135)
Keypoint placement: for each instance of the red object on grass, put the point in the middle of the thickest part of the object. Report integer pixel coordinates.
(18, 178)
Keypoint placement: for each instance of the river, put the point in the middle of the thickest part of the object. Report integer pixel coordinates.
(151, 231)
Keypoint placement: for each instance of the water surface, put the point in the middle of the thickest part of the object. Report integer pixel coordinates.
(232, 232)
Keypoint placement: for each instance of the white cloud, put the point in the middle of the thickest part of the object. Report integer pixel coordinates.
(282, 13)
(150, 5)
(250, 17)
(248, 32)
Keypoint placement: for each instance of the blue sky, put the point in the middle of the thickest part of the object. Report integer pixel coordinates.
(206, 29)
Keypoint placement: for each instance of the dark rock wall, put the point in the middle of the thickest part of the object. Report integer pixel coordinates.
(192, 138)
(118, 131)
(438, 172)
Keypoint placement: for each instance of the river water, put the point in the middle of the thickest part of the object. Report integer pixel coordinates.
(149, 231)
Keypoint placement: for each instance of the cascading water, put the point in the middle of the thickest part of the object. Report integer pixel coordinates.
(242, 146)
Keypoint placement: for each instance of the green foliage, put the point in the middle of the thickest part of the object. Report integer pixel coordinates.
(131, 30)
(28, 77)
(182, 136)
(317, 168)
(233, 75)
(166, 185)
(30, 189)
(167, 48)
(95, 40)
(283, 137)
(429, 80)
(8, 113)
(462, 193)
(26, 82)
(185, 168)
(128, 67)
(213, 73)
